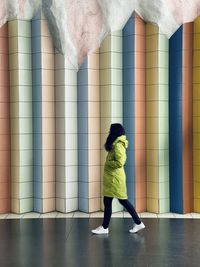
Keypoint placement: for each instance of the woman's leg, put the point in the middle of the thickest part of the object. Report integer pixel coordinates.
(129, 207)
(107, 211)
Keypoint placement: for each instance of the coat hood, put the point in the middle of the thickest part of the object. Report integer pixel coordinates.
(121, 139)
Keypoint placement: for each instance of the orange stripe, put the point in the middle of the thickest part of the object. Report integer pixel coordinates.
(5, 187)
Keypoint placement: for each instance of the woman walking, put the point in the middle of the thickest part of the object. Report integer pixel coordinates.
(114, 179)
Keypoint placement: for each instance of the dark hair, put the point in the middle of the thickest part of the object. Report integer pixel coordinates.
(116, 130)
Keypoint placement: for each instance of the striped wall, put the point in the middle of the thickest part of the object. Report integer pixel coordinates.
(55, 120)
(196, 114)
(180, 120)
(5, 185)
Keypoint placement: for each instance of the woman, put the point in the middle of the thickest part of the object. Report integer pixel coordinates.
(114, 179)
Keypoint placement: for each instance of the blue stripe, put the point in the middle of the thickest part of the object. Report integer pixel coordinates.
(129, 27)
(37, 114)
(82, 110)
(128, 102)
(83, 190)
(35, 28)
(37, 16)
(83, 204)
(38, 190)
(175, 122)
(82, 93)
(38, 205)
(128, 43)
(83, 171)
(130, 187)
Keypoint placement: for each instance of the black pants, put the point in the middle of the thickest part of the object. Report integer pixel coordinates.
(108, 210)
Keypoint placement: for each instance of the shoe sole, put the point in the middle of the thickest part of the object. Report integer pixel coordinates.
(99, 233)
(136, 231)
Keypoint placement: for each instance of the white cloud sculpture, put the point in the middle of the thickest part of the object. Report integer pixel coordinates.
(79, 26)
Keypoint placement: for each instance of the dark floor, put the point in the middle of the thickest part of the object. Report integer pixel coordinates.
(68, 242)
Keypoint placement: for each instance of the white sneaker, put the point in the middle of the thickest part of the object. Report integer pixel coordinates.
(100, 230)
(137, 227)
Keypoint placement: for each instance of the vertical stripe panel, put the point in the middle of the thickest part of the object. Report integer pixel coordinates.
(66, 135)
(140, 127)
(111, 107)
(94, 133)
(196, 114)
(37, 109)
(5, 183)
(48, 119)
(187, 117)
(157, 120)
(21, 116)
(181, 115)
(43, 116)
(89, 134)
(152, 117)
(83, 179)
(128, 103)
(163, 113)
(175, 121)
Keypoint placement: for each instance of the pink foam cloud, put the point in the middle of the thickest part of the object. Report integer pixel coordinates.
(84, 24)
(3, 12)
(184, 10)
(21, 7)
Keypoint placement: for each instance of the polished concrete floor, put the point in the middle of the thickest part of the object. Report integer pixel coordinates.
(68, 242)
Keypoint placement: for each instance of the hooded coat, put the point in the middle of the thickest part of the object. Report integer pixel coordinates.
(114, 177)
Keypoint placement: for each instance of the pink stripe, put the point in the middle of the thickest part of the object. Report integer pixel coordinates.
(5, 124)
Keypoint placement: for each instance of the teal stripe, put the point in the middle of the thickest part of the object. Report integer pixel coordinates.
(83, 164)
(37, 113)
(128, 102)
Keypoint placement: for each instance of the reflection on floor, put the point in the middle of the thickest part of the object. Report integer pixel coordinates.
(79, 214)
(69, 242)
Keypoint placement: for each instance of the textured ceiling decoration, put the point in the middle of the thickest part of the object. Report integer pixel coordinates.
(21, 9)
(169, 15)
(79, 26)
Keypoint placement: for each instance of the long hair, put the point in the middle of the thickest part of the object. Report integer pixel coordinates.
(116, 130)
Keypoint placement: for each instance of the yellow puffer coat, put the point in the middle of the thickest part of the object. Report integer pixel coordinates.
(114, 178)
